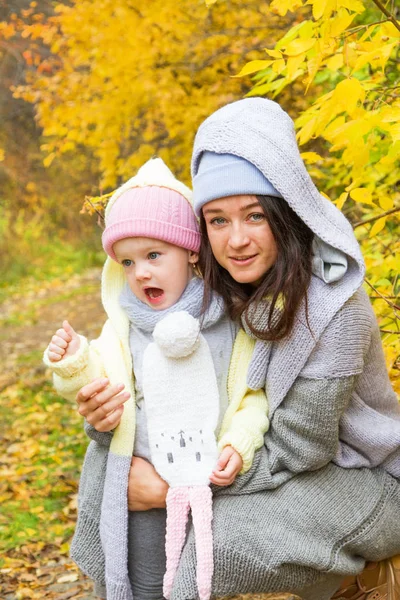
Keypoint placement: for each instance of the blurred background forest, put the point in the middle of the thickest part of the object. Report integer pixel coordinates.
(88, 92)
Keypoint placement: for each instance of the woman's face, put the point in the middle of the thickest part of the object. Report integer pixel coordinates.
(240, 237)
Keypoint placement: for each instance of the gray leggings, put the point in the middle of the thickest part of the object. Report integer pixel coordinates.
(146, 554)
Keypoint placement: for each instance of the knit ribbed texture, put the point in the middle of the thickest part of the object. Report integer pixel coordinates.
(297, 536)
(89, 555)
(369, 428)
(178, 506)
(152, 204)
(73, 372)
(218, 331)
(199, 499)
(290, 539)
(152, 212)
(336, 506)
(259, 131)
(114, 527)
(201, 503)
(222, 175)
(71, 365)
(244, 430)
(345, 506)
(102, 437)
(153, 172)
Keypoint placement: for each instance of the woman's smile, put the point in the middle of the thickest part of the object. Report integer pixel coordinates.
(243, 260)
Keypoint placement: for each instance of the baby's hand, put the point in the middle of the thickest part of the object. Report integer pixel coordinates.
(228, 466)
(64, 343)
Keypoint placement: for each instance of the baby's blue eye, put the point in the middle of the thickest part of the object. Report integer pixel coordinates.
(153, 255)
(126, 262)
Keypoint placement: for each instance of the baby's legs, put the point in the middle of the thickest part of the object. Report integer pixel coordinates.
(146, 547)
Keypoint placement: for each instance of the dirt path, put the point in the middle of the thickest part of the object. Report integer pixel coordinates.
(27, 322)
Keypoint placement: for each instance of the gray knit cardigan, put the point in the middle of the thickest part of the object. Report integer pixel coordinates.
(323, 493)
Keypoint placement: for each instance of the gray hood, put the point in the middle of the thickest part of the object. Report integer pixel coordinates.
(261, 132)
(329, 263)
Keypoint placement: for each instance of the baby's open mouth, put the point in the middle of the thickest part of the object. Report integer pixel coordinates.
(153, 293)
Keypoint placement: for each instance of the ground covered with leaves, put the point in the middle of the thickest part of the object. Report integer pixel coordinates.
(42, 442)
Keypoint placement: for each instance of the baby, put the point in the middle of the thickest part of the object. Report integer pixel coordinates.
(173, 355)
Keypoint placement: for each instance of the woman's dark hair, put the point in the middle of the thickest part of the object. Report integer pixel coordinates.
(286, 281)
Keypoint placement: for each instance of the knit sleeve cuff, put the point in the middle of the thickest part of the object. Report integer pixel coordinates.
(242, 443)
(71, 365)
(101, 437)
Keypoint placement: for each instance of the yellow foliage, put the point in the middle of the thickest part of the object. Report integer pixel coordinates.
(335, 62)
(254, 66)
(342, 199)
(347, 95)
(283, 6)
(274, 53)
(7, 30)
(355, 5)
(278, 66)
(299, 46)
(377, 226)
(310, 157)
(132, 80)
(322, 8)
(341, 22)
(362, 195)
(386, 202)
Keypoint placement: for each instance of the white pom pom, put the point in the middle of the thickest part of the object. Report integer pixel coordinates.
(177, 335)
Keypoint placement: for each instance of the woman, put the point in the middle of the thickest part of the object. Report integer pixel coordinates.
(323, 494)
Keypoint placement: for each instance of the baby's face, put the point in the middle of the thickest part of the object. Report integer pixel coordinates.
(156, 272)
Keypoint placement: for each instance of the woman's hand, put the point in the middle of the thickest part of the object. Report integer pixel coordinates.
(146, 489)
(65, 342)
(229, 465)
(102, 404)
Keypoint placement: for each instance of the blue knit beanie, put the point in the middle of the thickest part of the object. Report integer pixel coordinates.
(222, 175)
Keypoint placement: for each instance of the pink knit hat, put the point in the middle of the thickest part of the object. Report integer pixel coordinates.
(158, 210)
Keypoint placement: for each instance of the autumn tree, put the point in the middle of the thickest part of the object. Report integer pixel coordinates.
(131, 79)
(39, 207)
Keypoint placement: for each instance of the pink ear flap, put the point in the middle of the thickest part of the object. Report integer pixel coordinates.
(177, 516)
(201, 504)
(179, 499)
